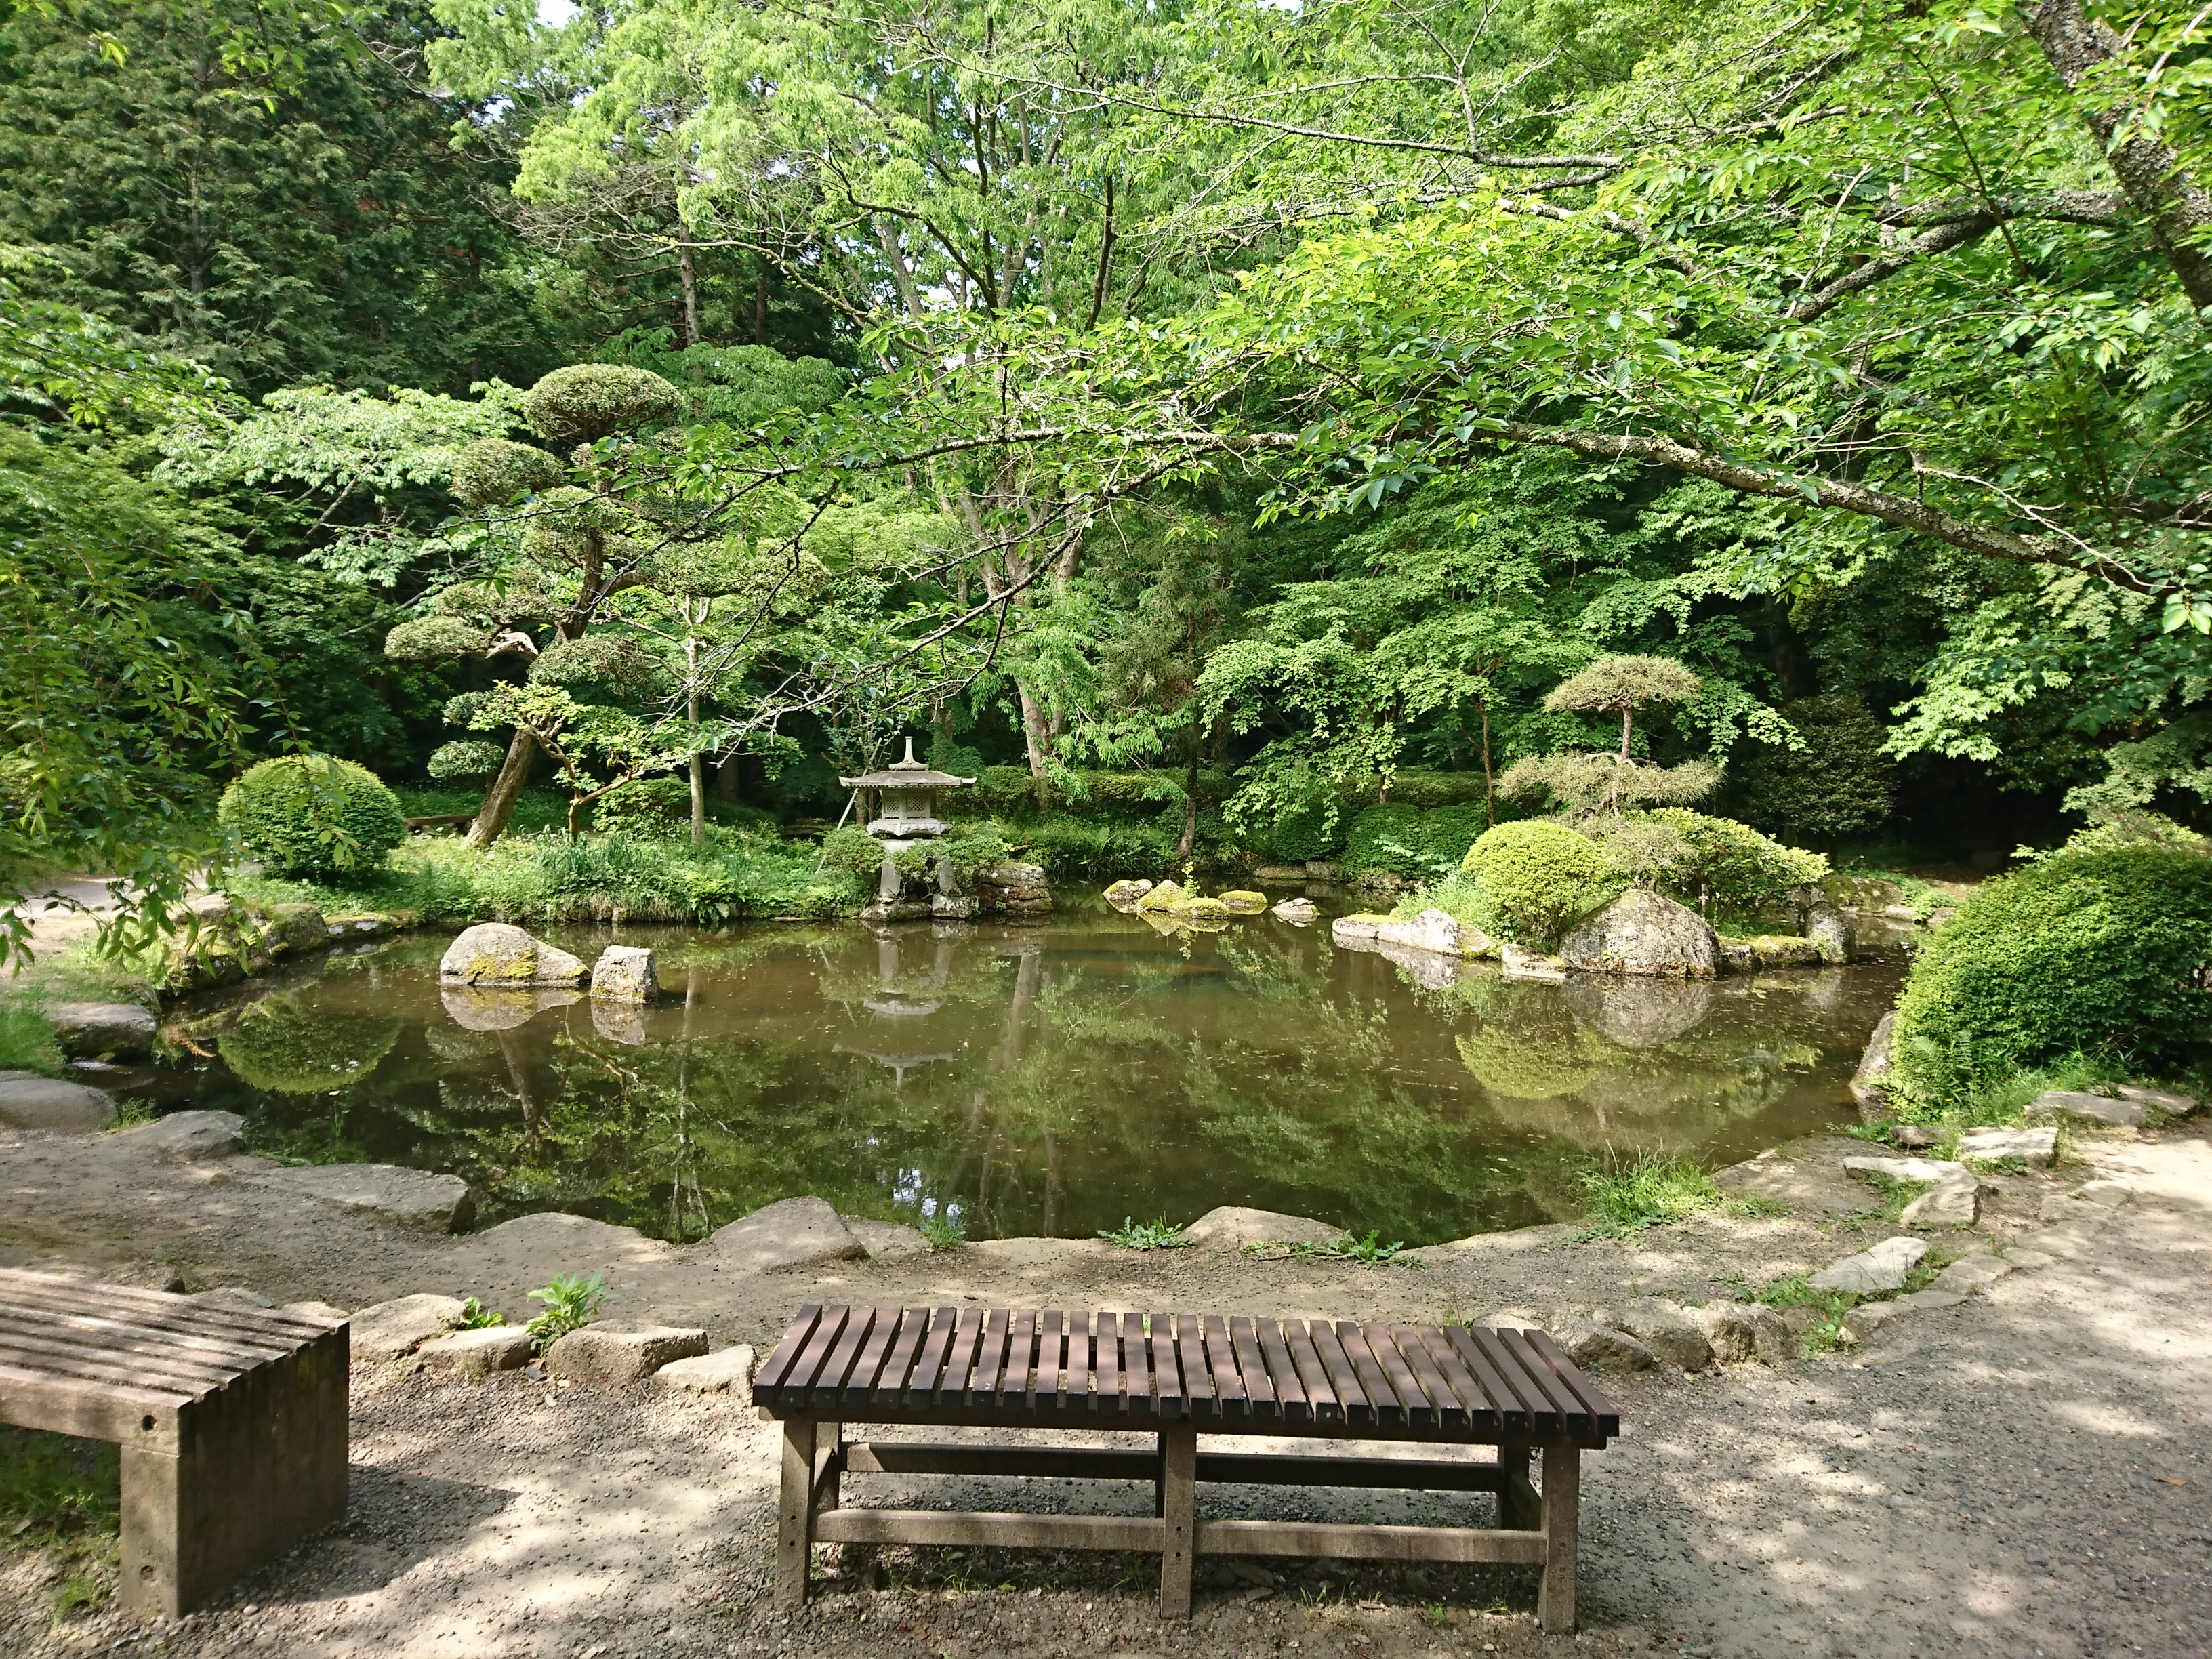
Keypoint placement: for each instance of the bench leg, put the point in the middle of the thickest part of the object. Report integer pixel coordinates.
(1563, 1491)
(829, 1465)
(260, 1465)
(1179, 1509)
(1515, 1507)
(794, 1540)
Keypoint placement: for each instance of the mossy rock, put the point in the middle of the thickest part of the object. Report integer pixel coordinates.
(1242, 901)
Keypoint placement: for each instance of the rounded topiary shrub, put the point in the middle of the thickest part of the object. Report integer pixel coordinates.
(283, 1047)
(2095, 953)
(493, 470)
(312, 816)
(465, 760)
(590, 401)
(1537, 877)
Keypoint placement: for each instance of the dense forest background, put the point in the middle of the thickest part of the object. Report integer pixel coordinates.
(1270, 405)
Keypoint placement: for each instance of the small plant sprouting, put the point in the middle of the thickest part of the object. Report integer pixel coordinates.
(474, 1316)
(943, 1232)
(1134, 1235)
(1651, 1191)
(1368, 1252)
(571, 1303)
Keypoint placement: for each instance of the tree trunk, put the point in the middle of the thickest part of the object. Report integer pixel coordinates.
(698, 760)
(1489, 783)
(2150, 173)
(1626, 715)
(1188, 841)
(760, 307)
(688, 275)
(499, 800)
(1040, 743)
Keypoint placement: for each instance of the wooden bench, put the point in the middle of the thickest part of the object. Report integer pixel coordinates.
(232, 1421)
(1178, 1376)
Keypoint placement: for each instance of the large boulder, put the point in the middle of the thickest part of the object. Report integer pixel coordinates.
(1663, 1327)
(1884, 1267)
(111, 1030)
(1013, 889)
(1870, 1082)
(886, 1241)
(412, 1198)
(792, 1232)
(1596, 1347)
(615, 1359)
(1643, 933)
(390, 1329)
(28, 1101)
(624, 973)
(1232, 1227)
(492, 953)
(1830, 931)
(189, 1135)
(1639, 1013)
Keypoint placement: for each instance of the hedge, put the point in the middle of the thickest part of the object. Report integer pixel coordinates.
(313, 817)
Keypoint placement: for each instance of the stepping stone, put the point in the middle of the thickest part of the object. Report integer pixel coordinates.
(727, 1370)
(390, 1329)
(1884, 1267)
(121, 1030)
(2034, 1148)
(189, 1135)
(30, 1101)
(2121, 1113)
(412, 1198)
(792, 1232)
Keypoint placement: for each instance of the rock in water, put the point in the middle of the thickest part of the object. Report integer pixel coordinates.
(30, 1101)
(1642, 932)
(1830, 930)
(484, 1008)
(120, 1030)
(1884, 1267)
(1870, 1082)
(1168, 896)
(615, 1359)
(2121, 1114)
(1531, 964)
(792, 1232)
(624, 973)
(1123, 895)
(1298, 911)
(1439, 931)
(494, 954)
(412, 1198)
(1242, 901)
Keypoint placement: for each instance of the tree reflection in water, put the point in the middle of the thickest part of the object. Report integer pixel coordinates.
(1036, 1080)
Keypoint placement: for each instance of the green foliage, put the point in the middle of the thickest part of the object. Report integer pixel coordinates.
(1538, 878)
(854, 851)
(571, 1302)
(1069, 848)
(1841, 783)
(1620, 685)
(1134, 1235)
(58, 1493)
(977, 847)
(2096, 954)
(493, 471)
(942, 1230)
(474, 1316)
(1626, 1200)
(313, 816)
(1587, 784)
(27, 1039)
(463, 761)
(644, 808)
(586, 402)
(1368, 1252)
(1410, 841)
(290, 1046)
(1729, 868)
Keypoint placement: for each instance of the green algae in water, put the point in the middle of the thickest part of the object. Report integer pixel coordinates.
(1047, 1080)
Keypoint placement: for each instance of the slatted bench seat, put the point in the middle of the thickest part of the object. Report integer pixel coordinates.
(1176, 1376)
(232, 1421)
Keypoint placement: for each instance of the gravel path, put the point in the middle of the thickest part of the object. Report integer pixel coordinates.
(2024, 1474)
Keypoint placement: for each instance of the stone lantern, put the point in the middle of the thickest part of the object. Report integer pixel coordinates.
(906, 814)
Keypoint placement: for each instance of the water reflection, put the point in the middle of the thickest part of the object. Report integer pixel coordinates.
(1034, 1080)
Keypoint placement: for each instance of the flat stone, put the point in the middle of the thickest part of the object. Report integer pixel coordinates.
(411, 1198)
(486, 1008)
(189, 1135)
(886, 1241)
(494, 953)
(570, 1243)
(1243, 902)
(2093, 1200)
(1357, 931)
(121, 1030)
(2121, 1113)
(615, 1359)
(1643, 933)
(1947, 1204)
(792, 1232)
(390, 1329)
(624, 973)
(2034, 1148)
(1916, 1171)
(2168, 1101)
(1870, 1082)
(322, 1310)
(28, 1101)
(727, 1370)
(1531, 964)
(1596, 1347)
(1298, 911)
(1232, 1227)
(476, 1353)
(1863, 1321)
(1662, 1327)
(1439, 931)
(1929, 1300)
(1970, 1273)
(1884, 1267)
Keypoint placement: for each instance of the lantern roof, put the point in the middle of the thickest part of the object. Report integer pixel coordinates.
(908, 774)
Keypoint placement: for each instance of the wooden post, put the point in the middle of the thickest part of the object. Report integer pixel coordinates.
(1179, 1511)
(1563, 1487)
(829, 1464)
(1513, 1506)
(795, 1543)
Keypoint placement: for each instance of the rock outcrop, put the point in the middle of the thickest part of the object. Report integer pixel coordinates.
(191, 1134)
(411, 1198)
(495, 954)
(1012, 890)
(102, 1030)
(792, 1232)
(1643, 933)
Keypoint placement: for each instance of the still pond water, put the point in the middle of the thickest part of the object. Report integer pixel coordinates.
(1032, 1081)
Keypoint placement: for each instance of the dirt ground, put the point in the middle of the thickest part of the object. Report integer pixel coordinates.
(2027, 1474)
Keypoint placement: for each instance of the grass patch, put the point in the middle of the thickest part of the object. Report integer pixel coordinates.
(736, 874)
(2003, 1102)
(942, 1232)
(79, 974)
(28, 1040)
(1133, 1234)
(1368, 1252)
(60, 1495)
(1653, 1190)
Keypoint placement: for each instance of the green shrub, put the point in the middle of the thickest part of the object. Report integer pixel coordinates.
(313, 816)
(1072, 849)
(1841, 783)
(1538, 877)
(977, 847)
(28, 1042)
(854, 851)
(1308, 833)
(465, 760)
(1410, 841)
(2097, 954)
(648, 807)
(1732, 869)
(284, 1047)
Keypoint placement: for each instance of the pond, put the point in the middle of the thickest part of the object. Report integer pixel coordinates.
(1049, 1079)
